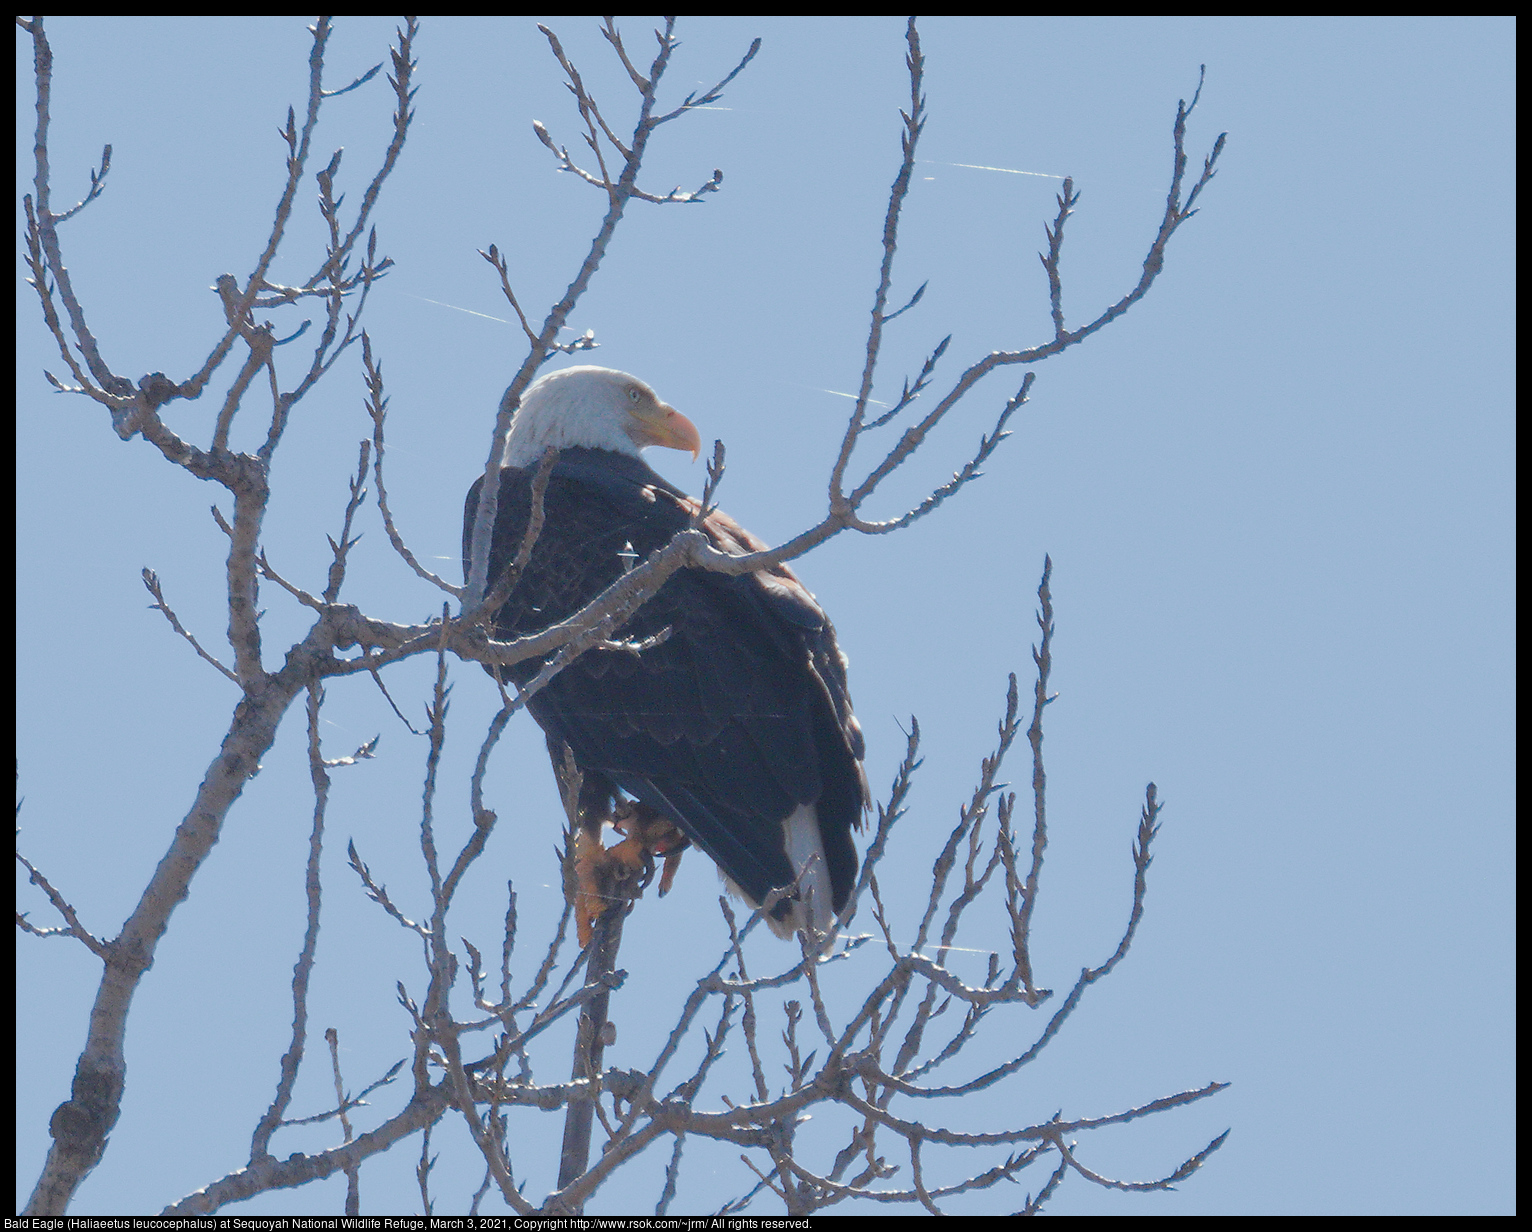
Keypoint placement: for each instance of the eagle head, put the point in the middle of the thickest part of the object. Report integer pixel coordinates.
(597, 408)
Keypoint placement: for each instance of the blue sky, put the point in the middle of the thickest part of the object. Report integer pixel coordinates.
(1277, 495)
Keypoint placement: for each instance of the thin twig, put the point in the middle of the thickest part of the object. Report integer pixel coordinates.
(353, 1176)
(152, 583)
(303, 969)
(377, 410)
(1042, 656)
(60, 904)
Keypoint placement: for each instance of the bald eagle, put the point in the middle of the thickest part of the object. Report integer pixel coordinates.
(736, 727)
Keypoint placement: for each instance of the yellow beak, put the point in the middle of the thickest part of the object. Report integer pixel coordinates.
(655, 423)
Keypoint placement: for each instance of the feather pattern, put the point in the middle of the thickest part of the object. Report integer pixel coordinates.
(737, 727)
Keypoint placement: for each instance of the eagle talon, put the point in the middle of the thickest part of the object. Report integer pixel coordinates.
(601, 878)
(657, 837)
(606, 877)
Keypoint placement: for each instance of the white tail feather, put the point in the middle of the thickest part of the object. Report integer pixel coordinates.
(815, 906)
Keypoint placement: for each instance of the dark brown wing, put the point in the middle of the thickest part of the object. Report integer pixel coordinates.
(734, 720)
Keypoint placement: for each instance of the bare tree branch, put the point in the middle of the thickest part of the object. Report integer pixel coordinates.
(152, 584)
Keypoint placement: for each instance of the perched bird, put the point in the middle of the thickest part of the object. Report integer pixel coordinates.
(734, 725)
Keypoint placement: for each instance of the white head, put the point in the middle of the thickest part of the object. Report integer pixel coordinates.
(599, 408)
